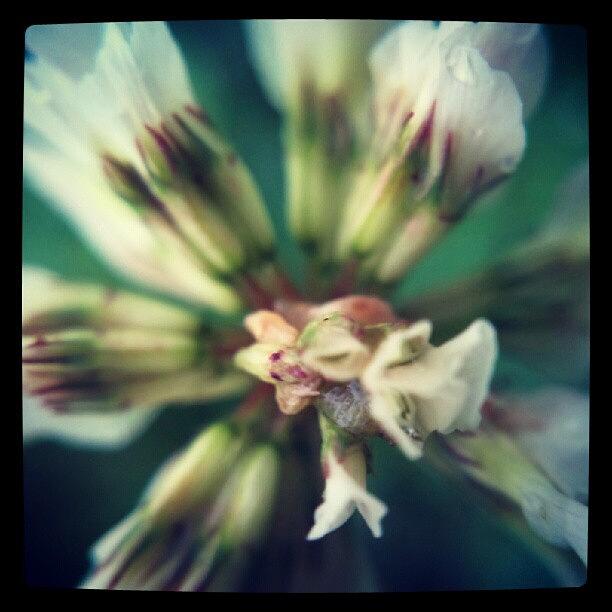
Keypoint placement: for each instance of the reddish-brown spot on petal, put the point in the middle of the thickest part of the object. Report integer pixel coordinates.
(198, 113)
(407, 117)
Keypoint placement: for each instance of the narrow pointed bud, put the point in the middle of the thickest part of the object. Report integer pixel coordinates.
(126, 182)
(247, 515)
(195, 475)
(256, 360)
(204, 163)
(169, 540)
(270, 327)
(86, 348)
(423, 229)
(316, 72)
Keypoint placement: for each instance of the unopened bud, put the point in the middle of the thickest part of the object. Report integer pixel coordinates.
(196, 474)
(250, 509)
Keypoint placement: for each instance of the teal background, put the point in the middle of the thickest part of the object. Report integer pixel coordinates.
(439, 533)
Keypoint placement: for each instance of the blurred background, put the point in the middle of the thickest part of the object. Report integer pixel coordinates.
(440, 534)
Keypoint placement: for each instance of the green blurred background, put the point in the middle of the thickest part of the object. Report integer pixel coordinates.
(440, 534)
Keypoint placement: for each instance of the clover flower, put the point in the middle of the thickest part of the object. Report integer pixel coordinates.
(117, 141)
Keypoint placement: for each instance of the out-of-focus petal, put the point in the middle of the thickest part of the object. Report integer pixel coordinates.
(559, 443)
(516, 48)
(111, 431)
(329, 54)
(86, 348)
(135, 164)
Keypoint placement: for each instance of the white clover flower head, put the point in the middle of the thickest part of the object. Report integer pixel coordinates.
(115, 138)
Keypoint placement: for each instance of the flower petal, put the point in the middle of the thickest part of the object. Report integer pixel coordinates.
(417, 388)
(344, 492)
(557, 518)
(516, 48)
(108, 431)
(560, 445)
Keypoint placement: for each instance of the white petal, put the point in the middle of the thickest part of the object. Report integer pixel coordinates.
(561, 445)
(384, 410)
(343, 493)
(70, 47)
(482, 112)
(327, 53)
(333, 351)
(396, 349)
(444, 386)
(404, 64)
(111, 431)
(477, 349)
(557, 518)
(516, 48)
(159, 57)
(476, 111)
(120, 236)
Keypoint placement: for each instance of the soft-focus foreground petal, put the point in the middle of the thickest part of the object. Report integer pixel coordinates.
(344, 469)
(534, 450)
(326, 54)
(128, 156)
(110, 431)
(537, 296)
(86, 348)
(447, 128)
(519, 49)
(207, 505)
(417, 388)
(315, 72)
(552, 427)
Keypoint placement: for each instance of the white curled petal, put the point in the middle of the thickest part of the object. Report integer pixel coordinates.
(476, 350)
(334, 352)
(386, 412)
(480, 111)
(112, 431)
(397, 348)
(344, 492)
(439, 78)
(440, 388)
(516, 48)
